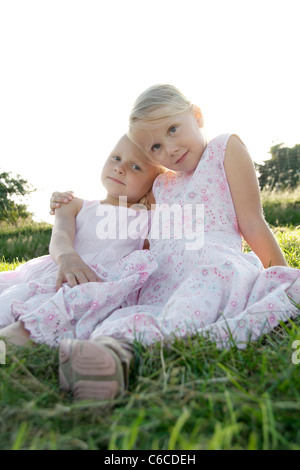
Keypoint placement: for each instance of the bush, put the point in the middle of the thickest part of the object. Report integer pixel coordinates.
(281, 170)
(10, 210)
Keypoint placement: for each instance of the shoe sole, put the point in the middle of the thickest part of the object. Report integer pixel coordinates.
(93, 369)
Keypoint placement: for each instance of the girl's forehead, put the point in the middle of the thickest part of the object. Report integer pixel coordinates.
(126, 147)
(144, 132)
(128, 151)
(158, 124)
(155, 126)
(142, 136)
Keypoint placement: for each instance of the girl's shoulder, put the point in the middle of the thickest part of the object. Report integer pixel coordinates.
(220, 141)
(89, 203)
(85, 206)
(163, 182)
(215, 149)
(164, 178)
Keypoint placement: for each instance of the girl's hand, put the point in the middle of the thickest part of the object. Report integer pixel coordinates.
(73, 270)
(58, 198)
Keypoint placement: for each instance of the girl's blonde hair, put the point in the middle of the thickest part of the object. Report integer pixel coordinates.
(158, 102)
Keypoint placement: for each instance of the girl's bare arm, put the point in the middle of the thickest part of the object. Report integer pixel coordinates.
(245, 193)
(71, 268)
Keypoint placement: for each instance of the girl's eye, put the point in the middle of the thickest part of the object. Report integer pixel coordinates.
(116, 157)
(135, 167)
(173, 129)
(155, 147)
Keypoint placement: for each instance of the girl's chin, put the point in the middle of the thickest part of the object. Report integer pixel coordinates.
(184, 169)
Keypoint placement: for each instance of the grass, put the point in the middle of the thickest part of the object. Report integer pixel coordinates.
(187, 396)
(282, 207)
(24, 242)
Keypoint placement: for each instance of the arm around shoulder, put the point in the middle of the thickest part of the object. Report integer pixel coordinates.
(245, 192)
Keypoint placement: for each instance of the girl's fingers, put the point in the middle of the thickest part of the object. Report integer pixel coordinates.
(71, 280)
(64, 197)
(59, 281)
(70, 194)
(92, 277)
(59, 199)
(75, 277)
(54, 205)
(81, 277)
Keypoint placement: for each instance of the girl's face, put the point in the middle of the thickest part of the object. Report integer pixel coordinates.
(127, 173)
(176, 142)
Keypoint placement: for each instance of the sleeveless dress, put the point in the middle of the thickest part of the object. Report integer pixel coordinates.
(109, 239)
(215, 289)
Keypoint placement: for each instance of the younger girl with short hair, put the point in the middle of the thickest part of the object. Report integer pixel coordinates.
(49, 298)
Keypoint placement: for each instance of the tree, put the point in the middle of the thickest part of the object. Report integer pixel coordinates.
(10, 210)
(282, 170)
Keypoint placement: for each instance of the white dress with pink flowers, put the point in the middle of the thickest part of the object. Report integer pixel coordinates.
(216, 290)
(109, 239)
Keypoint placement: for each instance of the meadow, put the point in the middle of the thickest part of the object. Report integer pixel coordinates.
(185, 396)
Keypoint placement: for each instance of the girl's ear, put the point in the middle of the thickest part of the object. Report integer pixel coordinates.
(198, 115)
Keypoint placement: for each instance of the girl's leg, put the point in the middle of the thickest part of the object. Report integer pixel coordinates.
(15, 334)
(17, 292)
(95, 369)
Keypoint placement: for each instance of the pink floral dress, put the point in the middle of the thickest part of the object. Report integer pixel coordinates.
(216, 290)
(116, 255)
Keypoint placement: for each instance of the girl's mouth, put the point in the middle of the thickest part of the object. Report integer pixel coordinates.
(182, 158)
(115, 180)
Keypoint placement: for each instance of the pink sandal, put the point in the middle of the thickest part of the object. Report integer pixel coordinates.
(97, 369)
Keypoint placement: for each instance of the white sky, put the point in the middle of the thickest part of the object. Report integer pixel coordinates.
(70, 71)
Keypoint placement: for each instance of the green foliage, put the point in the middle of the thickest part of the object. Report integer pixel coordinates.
(282, 170)
(281, 207)
(25, 241)
(10, 210)
(289, 241)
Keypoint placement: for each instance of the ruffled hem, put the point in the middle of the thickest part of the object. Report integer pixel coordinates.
(273, 297)
(75, 312)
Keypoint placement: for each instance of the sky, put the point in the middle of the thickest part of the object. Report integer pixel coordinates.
(70, 71)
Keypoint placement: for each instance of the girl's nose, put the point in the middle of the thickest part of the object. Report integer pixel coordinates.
(172, 149)
(120, 169)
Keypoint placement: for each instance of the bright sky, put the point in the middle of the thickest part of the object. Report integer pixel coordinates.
(71, 70)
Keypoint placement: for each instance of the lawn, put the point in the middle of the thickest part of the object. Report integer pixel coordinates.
(187, 396)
